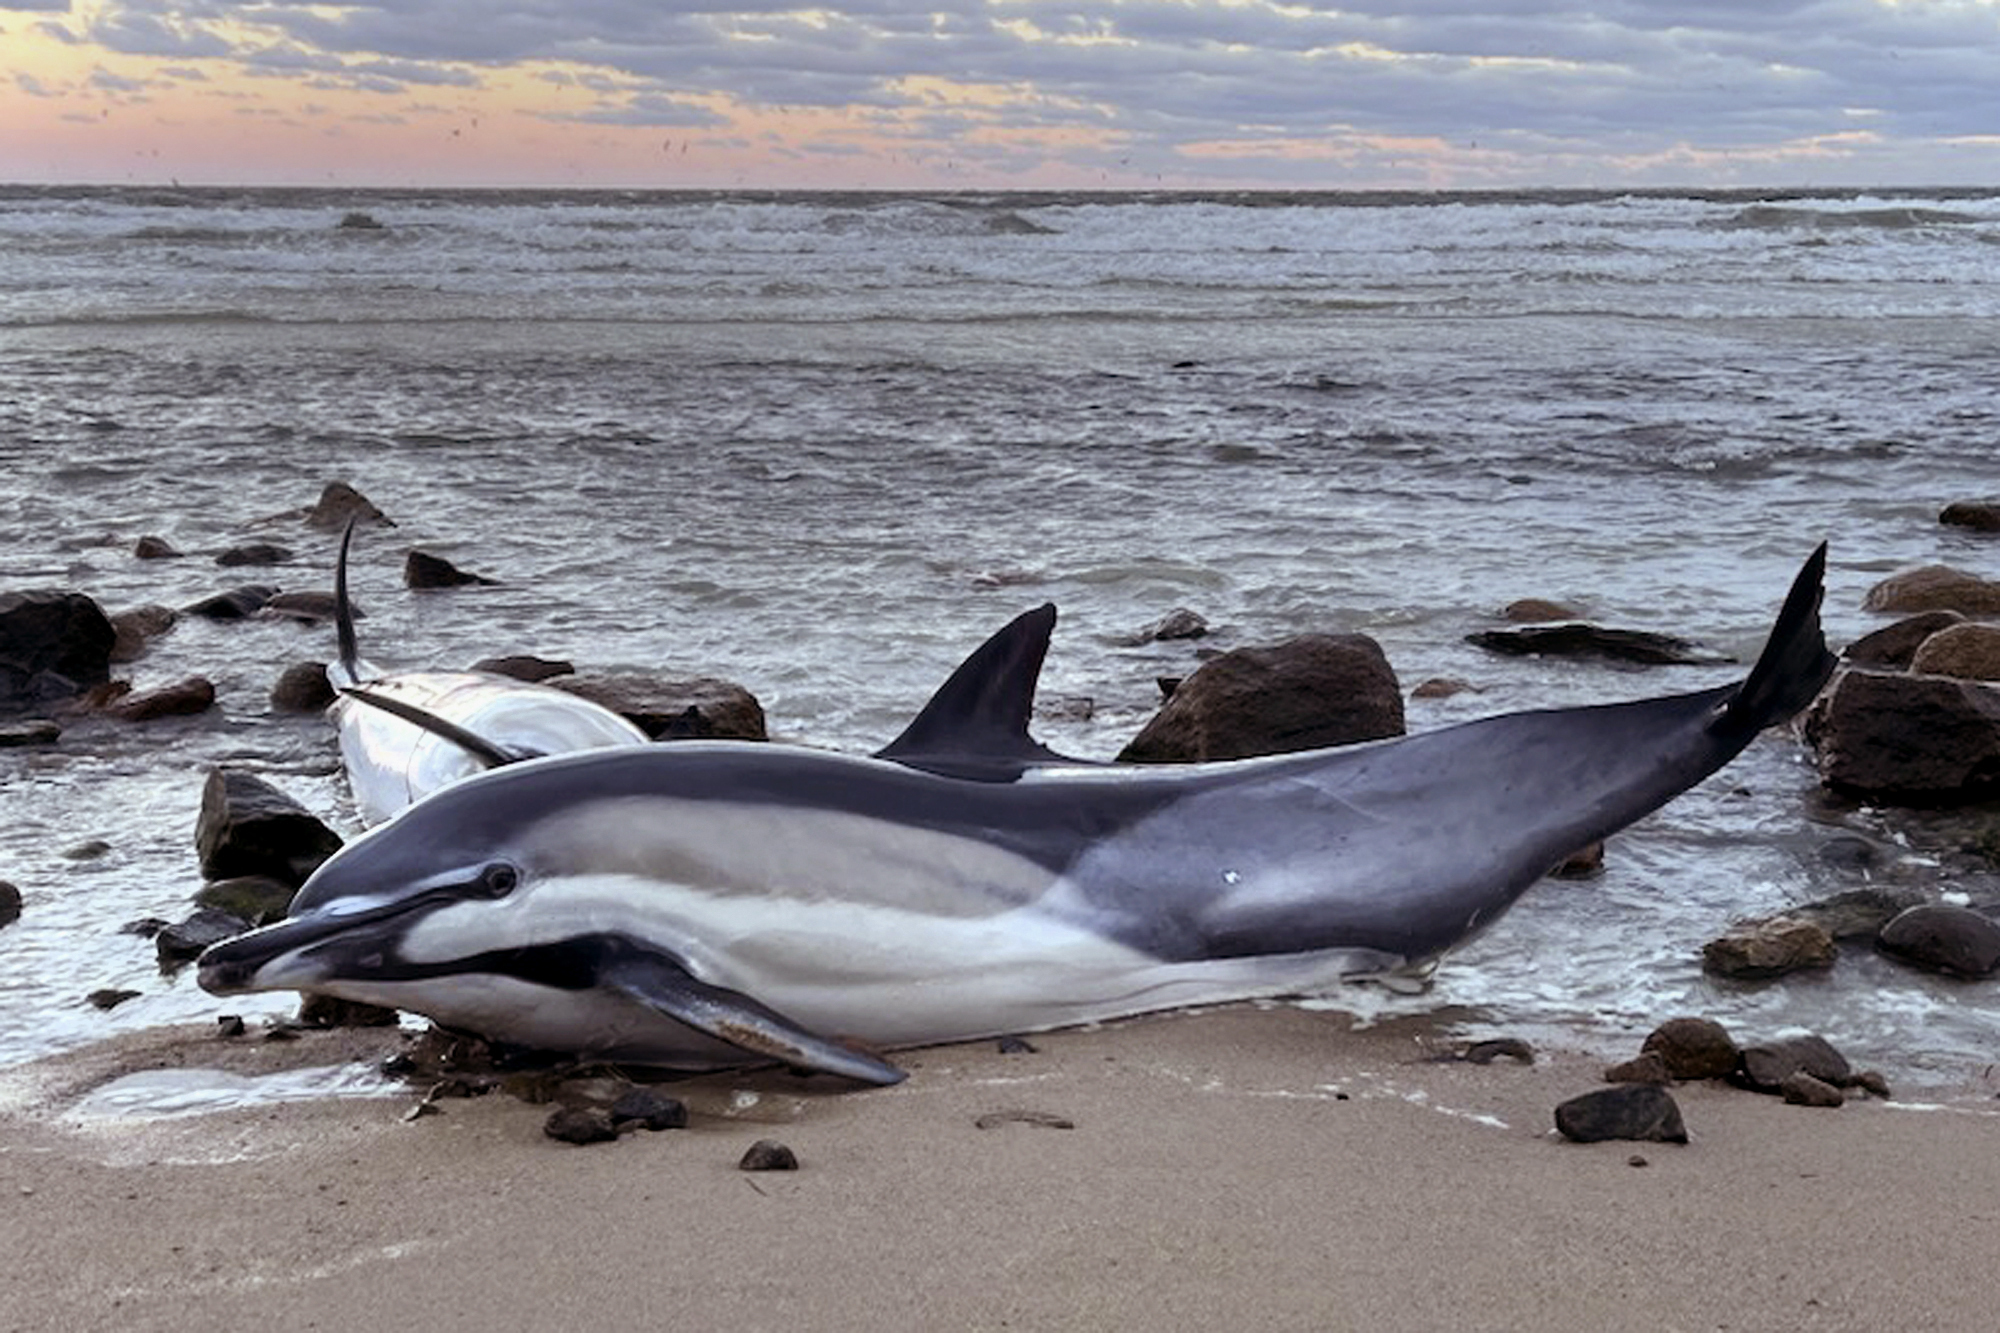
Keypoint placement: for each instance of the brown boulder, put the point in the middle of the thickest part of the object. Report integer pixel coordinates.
(1894, 646)
(1970, 651)
(183, 698)
(1939, 937)
(1978, 515)
(302, 688)
(1313, 691)
(137, 628)
(52, 645)
(1536, 611)
(1759, 950)
(339, 504)
(1907, 739)
(1934, 588)
(1693, 1048)
(673, 709)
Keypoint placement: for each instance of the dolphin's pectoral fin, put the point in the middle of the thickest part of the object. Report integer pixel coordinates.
(493, 754)
(658, 982)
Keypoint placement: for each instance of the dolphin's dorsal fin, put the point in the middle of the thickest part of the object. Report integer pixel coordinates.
(490, 753)
(977, 722)
(1795, 662)
(660, 983)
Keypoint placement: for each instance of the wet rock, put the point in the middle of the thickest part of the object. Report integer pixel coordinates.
(1578, 640)
(236, 604)
(580, 1124)
(1858, 913)
(358, 222)
(1802, 1089)
(1760, 950)
(1871, 1082)
(249, 827)
(1638, 1111)
(52, 645)
(423, 570)
(1969, 651)
(308, 608)
(532, 669)
(19, 735)
(328, 1011)
(1766, 1066)
(667, 708)
(110, 998)
(154, 548)
(92, 850)
(1443, 687)
(768, 1155)
(1537, 611)
(1934, 588)
(1906, 739)
(302, 688)
(1308, 692)
(1978, 515)
(1693, 1048)
(648, 1109)
(136, 629)
(183, 941)
(1179, 623)
(256, 899)
(229, 1026)
(1017, 1046)
(183, 698)
(1894, 646)
(10, 903)
(1487, 1050)
(338, 503)
(1644, 1068)
(255, 553)
(1588, 863)
(1938, 937)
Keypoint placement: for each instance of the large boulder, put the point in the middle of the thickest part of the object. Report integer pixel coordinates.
(249, 827)
(52, 645)
(1895, 646)
(1934, 588)
(1907, 739)
(1306, 693)
(1939, 937)
(666, 708)
(1970, 651)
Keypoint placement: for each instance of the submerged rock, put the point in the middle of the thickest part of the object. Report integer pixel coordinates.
(1938, 937)
(523, 666)
(1637, 1111)
(154, 548)
(183, 698)
(338, 503)
(10, 903)
(302, 688)
(236, 604)
(1978, 515)
(1630, 646)
(137, 628)
(423, 570)
(1179, 623)
(183, 941)
(255, 553)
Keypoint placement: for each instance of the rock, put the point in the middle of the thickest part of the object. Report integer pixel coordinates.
(236, 604)
(580, 1124)
(256, 899)
(1308, 692)
(1934, 588)
(19, 735)
(1871, 1082)
(1645, 1068)
(1969, 651)
(154, 548)
(1765, 1067)
(1443, 687)
(183, 941)
(1978, 515)
(10, 903)
(1759, 950)
(1907, 740)
(1693, 1048)
(768, 1155)
(254, 553)
(1938, 937)
(534, 670)
(1536, 611)
(328, 1011)
(302, 688)
(649, 1110)
(110, 998)
(1894, 646)
(1036, 1119)
(306, 607)
(52, 645)
(181, 699)
(1486, 1051)
(1179, 623)
(1802, 1089)
(423, 570)
(1857, 913)
(357, 222)
(1631, 646)
(666, 708)
(137, 628)
(1587, 863)
(338, 503)
(249, 827)
(1639, 1111)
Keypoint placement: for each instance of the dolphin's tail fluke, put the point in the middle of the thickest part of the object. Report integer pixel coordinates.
(1795, 663)
(343, 616)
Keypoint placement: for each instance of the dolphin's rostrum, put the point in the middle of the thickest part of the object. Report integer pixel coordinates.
(709, 904)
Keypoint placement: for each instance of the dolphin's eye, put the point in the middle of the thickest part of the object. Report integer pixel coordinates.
(497, 880)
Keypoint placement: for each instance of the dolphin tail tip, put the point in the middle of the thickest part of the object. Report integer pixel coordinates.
(1795, 663)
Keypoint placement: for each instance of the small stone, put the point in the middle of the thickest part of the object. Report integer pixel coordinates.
(1637, 1159)
(1760, 950)
(1016, 1046)
(302, 688)
(110, 998)
(1585, 863)
(1038, 1119)
(1537, 610)
(183, 941)
(423, 570)
(1179, 623)
(1978, 515)
(1802, 1089)
(257, 899)
(1497, 1048)
(1871, 1082)
(1625, 1111)
(338, 504)
(1645, 1068)
(1442, 687)
(154, 548)
(1693, 1048)
(19, 735)
(580, 1124)
(768, 1155)
(328, 1011)
(229, 1025)
(254, 553)
(649, 1110)
(10, 903)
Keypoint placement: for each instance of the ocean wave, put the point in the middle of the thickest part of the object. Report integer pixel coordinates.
(1775, 217)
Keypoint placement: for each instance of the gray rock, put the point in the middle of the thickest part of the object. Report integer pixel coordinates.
(137, 628)
(580, 1124)
(423, 570)
(249, 827)
(183, 698)
(1579, 640)
(339, 503)
(1537, 611)
(52, 645)
(302, 688)
(254, 553)
(673, 709)
(1313, 691)
(236, 604)
(110, 998)
(1766, 1066)
(10, 903)
(1179, 623)
(1636, 1111)
(37, 731)
(309, 608)
(1907, 740)
(522, 666)
(1857, 913)
(1939, 937)
(649, 1109)
(183, 941)
(1693, 1048)
(154, 548)
(1802, 1089)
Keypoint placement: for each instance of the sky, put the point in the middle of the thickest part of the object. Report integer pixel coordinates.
(1002, 94)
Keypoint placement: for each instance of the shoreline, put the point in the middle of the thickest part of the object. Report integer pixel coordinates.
(1245, 1166)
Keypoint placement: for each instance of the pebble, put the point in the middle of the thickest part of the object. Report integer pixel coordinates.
(580, 1124)
(768, 1155)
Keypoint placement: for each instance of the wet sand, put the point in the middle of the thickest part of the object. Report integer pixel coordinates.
(1246, 1168)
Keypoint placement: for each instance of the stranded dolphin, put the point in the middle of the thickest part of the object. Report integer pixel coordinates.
(422, 730)
(710, 904)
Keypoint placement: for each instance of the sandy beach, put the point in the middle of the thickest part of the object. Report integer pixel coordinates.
(1264, 1168)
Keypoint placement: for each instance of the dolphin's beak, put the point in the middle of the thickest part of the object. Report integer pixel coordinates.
(294, 953)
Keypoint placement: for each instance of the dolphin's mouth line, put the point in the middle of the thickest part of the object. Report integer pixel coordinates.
(228, 968)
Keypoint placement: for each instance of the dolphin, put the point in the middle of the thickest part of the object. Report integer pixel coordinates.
(716, 904)
(408, 734)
